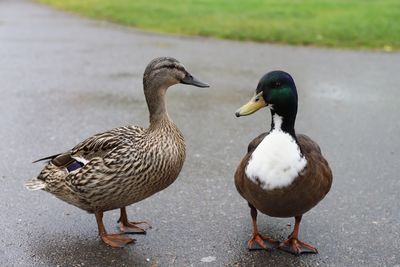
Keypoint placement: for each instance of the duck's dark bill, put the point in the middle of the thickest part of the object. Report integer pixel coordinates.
(189, 79)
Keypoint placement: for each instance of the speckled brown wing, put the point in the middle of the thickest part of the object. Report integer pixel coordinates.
(73, 184)
(100, 144)
(95, 146)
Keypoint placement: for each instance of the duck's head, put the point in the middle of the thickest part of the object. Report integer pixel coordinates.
(275, 90)
(164, 72)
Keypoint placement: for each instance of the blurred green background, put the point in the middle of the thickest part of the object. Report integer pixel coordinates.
(369, 24)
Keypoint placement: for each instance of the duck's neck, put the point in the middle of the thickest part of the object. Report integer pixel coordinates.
(155, 98)
(284, 120)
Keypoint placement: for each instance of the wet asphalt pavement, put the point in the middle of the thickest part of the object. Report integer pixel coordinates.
(64, 78)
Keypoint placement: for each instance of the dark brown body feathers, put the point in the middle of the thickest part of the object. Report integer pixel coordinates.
(303, 194)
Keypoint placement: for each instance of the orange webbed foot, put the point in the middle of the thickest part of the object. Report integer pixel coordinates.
(116, 240)
(295, 246)
(133, 228)
(260, 242)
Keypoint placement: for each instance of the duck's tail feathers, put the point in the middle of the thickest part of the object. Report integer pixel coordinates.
(35, 184)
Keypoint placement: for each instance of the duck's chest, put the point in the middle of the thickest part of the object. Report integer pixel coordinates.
(168, 154)
(276, 162)
(173, 153)
(158, 165)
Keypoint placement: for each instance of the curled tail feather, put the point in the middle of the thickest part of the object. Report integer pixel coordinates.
(35, 184)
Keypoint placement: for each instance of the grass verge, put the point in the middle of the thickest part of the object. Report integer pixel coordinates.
(334, 23)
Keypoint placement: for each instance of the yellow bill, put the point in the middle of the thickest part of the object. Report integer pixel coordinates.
(255, 103)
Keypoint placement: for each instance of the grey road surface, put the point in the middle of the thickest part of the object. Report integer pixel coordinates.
(64, 78)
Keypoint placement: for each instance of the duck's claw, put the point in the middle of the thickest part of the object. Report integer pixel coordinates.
(132, 228)
(116, 240)
(260, 242)
(295, 246)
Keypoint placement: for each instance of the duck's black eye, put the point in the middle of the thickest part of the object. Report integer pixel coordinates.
(277, 84)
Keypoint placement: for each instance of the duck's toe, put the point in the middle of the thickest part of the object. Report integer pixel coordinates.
(260, 242)
(133, 228)
(297, 247)
(116, 240)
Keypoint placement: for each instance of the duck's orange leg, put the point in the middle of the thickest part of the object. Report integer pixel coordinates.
(113, 240)
(295, 246)
(130, 227)
(258, 241)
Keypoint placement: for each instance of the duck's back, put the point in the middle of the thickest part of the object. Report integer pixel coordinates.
(296, 198)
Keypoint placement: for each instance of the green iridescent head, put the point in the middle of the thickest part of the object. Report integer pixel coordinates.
(275, 89)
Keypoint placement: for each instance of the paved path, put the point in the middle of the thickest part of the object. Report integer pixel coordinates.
(63, 78)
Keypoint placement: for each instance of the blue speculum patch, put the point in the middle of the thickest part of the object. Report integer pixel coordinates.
(74, 166)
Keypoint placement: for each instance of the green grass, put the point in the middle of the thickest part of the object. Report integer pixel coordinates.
(369, 24)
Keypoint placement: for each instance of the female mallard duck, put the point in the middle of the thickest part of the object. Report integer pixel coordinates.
(282, 174)
(117, 168)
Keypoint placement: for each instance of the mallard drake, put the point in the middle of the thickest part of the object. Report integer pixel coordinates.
(117, 168)
(282, 174)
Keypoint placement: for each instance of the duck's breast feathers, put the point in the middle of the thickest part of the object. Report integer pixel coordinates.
(303, 193)
(276, 162)
(255, 142)
(240, 174)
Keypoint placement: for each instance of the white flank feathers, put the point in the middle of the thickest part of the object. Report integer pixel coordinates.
(277, 160)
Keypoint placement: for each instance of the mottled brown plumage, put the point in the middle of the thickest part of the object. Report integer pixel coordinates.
(122, 166)
(306, 189)
(125, 165)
